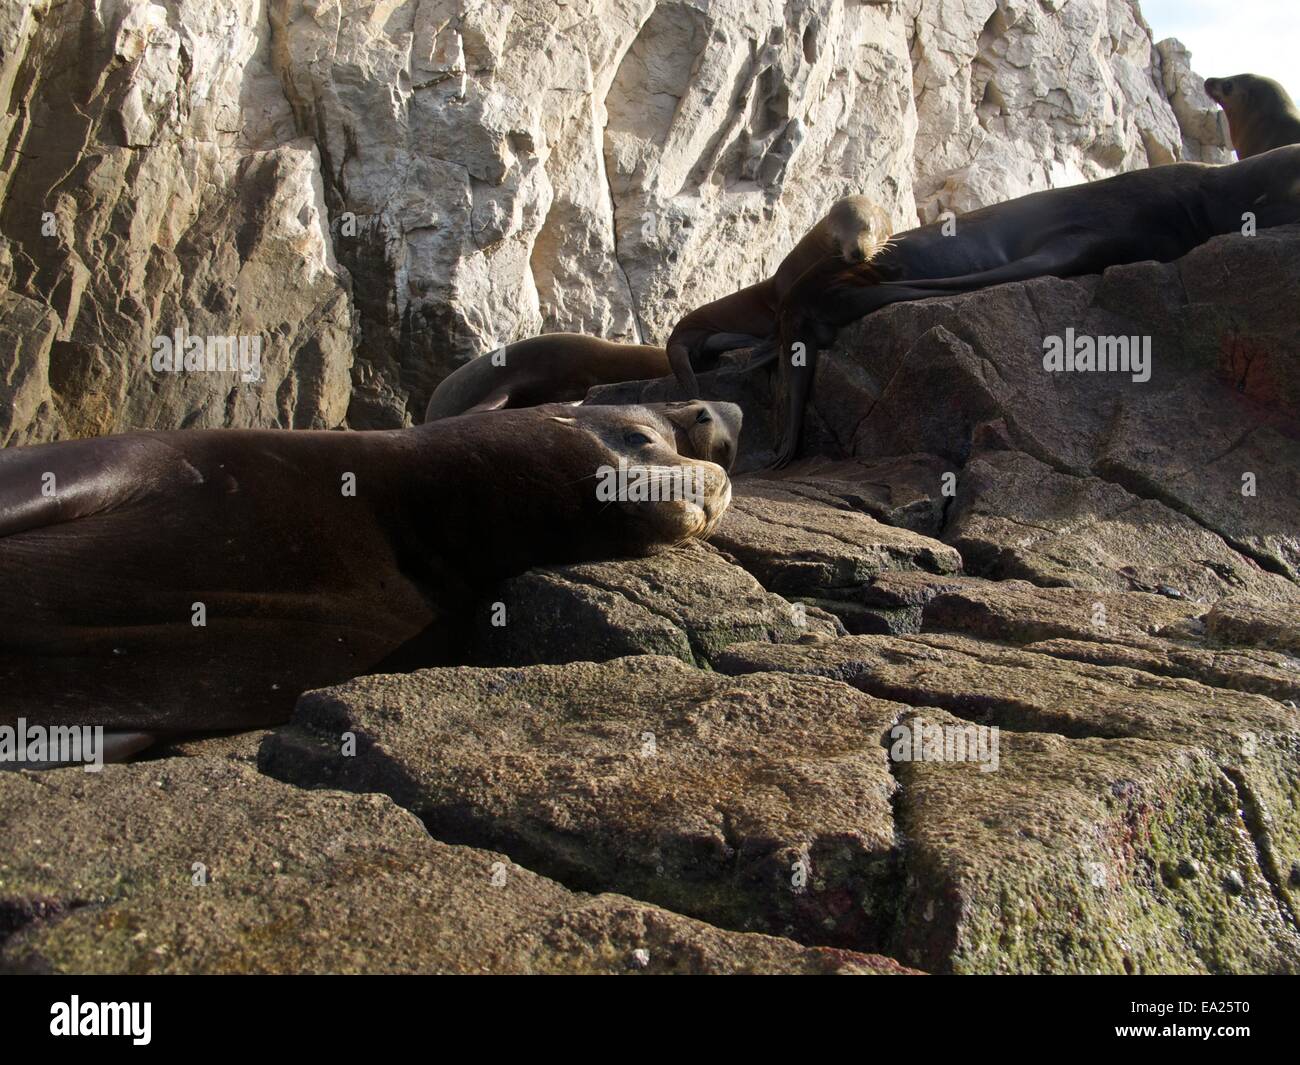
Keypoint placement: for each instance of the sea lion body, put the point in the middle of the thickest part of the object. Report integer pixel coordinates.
(1158, 214)
(849, 234)
(1261, 115)
(552, 368)
(195, 580)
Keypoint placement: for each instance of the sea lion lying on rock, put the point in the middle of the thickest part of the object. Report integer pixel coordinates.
(1161, 214)
(175, 582)
(1260, 113)
(553, 368)
(851, 234)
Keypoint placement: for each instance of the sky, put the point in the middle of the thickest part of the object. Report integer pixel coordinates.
(1229, 37)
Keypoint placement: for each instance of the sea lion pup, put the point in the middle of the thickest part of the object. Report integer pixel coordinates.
(176, 582)
(1260, 114)
(552, 368)
(1160, 213)
(852, 232)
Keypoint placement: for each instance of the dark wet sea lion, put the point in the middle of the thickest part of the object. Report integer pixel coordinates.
(1160, 214)
(298, 584)
(1261, 115)
(850, 234)
(552, 368)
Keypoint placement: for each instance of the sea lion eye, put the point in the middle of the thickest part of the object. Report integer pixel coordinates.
(1226, 86)
(635, 439)
(704, 418)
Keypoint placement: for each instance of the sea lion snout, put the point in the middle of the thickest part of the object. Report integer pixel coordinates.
(649, 474)
(1218, 88)
(859, 228)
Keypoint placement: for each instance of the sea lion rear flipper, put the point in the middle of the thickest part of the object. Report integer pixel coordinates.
(1041, 264)
(497, 401)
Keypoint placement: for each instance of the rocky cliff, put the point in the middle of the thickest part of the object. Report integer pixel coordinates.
(381, 190)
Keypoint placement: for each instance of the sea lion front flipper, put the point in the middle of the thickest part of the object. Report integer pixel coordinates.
(119, 746)
(794, 382)
(679, 358)
(116, 747)
(720, 342)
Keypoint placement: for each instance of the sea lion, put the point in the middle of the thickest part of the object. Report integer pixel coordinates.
(1160, 213)
(552, 368)
(705, 430)
(1260, 114)
(850, 234)
(174, 582)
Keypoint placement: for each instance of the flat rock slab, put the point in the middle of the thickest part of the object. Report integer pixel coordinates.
(1251, 624)
(1083, 856)
(108, 879)
(1255, 740)
(757, 803)
(1019, 612)
(903, 490)
(1016, 517)
(819, 550)
(1247, 670)
(688, 603)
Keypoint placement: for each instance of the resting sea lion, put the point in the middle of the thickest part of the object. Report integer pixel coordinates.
(183, 581)
(1260, 114)
(852, 233)
(705, 430)
(553, 368)
(1161, 214)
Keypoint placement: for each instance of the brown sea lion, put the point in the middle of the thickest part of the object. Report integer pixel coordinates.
(1260, 114)
(553, 368)
(851, 233)
(1159, 213)
(705, 430)
(174, 582)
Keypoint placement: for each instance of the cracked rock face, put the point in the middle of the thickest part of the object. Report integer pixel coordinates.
(421, 182)
(232, 872)
(688, 603)
(760, 803)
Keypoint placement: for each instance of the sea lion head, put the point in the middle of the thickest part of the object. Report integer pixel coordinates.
(704, 430)
(1248, 91)
(859, 228)
(645, 495)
